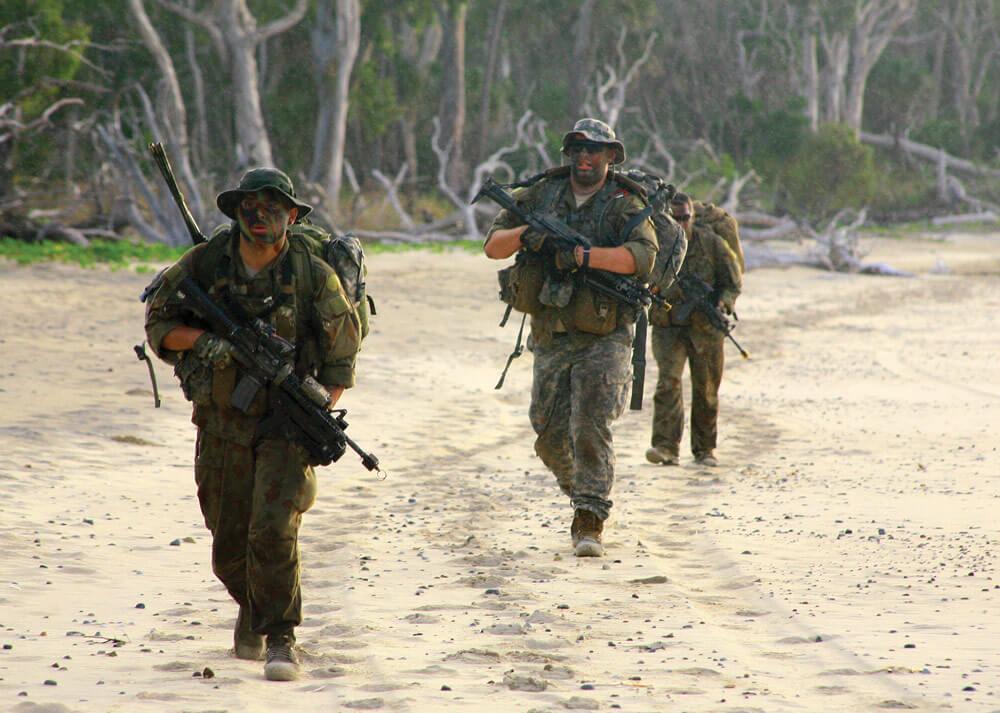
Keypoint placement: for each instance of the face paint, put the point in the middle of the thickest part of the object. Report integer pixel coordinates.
(589, 169)
(262, 216)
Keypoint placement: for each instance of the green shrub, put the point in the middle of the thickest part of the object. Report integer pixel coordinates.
(831, 171)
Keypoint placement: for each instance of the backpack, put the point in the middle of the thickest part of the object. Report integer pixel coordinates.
(722, 224)
(670, 236)
(341, 252)
(345, 255)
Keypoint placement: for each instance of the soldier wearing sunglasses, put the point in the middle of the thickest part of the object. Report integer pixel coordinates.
(684, 335)
(581, 340)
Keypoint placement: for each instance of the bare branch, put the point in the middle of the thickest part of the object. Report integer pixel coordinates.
(283, 23)
(392, 192)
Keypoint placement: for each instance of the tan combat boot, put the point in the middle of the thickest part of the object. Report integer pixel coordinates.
(586, 534)
(247, 644)
(280, 661)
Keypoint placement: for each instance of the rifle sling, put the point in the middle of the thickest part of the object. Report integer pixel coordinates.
(518, 351)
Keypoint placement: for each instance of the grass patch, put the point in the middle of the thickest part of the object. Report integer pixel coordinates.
(464, 245)
(122, 254)
(114, 254)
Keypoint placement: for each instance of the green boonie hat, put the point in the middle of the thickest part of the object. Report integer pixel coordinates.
(595, 130)
(257, 179)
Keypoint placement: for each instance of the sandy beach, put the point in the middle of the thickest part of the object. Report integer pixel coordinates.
(842, 558)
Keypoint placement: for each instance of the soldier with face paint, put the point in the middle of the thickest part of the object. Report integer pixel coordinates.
(255, 484)
(581, 340)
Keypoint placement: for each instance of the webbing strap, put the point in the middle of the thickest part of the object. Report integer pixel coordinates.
(518, 351)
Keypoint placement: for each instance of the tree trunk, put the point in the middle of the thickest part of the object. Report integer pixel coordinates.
(171, 109)
(489, 71)
(335, 48)
(583, 56)
(875, 23)
(811, 71)
(452, 106)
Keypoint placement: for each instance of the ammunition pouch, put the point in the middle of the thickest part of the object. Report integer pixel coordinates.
(521, 283)
(659, 316)
(593, 312)
(196, 379)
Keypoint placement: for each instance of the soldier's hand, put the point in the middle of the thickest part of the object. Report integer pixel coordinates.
(214, 349)
(533, 240)
(566, 259)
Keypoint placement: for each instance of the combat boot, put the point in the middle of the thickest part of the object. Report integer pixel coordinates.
(247, 643)
(707, 459)
(586, 534)
(280, 661)
(661, 456)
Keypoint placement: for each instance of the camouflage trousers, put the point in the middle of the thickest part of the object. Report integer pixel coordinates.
(580, 387)
(252, 498)
(672, 347)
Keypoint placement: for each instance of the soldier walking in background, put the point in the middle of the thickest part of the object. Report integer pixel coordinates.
(254, 483)
(581, 339)
(683, 334)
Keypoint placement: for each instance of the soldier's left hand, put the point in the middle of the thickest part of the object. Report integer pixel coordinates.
(214, 349)
(566, 259)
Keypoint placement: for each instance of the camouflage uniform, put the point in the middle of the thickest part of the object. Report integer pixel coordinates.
(582, 378)
(693, 340)
(253, 488)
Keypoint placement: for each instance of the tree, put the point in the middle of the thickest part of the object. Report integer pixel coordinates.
(235, 35)
(335, 43)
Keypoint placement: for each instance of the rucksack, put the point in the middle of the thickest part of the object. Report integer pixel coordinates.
(722, 224)
(343, 252)
(670, 236)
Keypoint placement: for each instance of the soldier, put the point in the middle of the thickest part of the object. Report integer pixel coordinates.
(254, 483)
(684, 335)
(581, 340)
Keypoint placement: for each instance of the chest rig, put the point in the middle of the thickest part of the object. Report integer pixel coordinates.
(591, 218)
(278, 296)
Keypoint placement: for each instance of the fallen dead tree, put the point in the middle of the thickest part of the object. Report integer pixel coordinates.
(836, 248)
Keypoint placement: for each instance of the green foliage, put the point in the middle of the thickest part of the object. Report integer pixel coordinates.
(764, 136)
(897, 87)
(943, 134)
(114, 254)
(987, 139)
(373, 100)
(831, 171)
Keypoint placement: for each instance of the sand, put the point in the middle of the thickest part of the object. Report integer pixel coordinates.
(842, 557)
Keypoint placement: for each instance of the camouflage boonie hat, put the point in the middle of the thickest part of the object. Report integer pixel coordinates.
(257, 179)
(595, 130)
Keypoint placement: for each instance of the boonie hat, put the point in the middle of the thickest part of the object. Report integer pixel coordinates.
(257, 179)
(595, 130)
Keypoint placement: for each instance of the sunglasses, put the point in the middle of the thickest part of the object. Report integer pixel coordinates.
(578, 147)
(681, 218)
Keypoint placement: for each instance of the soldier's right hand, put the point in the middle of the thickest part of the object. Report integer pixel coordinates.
(214, 349)
(533, 240)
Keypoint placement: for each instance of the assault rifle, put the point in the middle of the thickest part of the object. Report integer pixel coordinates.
(699, 295)
(618, 287)
(300, 404)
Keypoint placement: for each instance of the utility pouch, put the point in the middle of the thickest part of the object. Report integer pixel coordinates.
(659, 316)
(521, 283)
(594, 313)
(195, 376)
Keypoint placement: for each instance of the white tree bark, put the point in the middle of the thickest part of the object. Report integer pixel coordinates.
(335, 43)
(875, 22)
(236, 36)
(171, 113)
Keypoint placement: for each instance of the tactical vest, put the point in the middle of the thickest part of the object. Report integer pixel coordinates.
(286, 308)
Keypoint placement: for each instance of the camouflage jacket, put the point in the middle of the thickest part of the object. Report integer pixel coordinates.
(324, 326)
(710, 259)
(602, 218)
